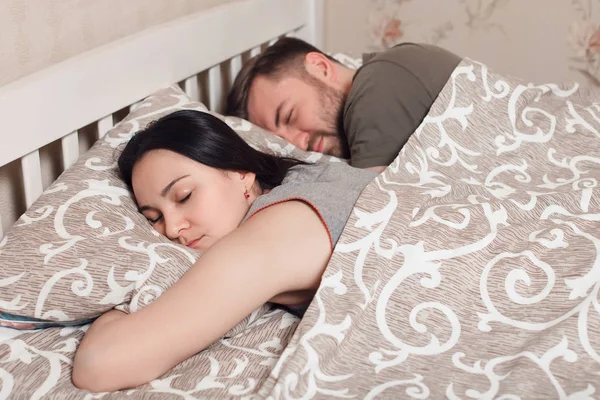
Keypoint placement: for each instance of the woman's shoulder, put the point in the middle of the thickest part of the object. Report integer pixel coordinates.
(331, 189)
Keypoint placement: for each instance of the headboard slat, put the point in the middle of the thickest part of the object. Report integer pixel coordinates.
(235, 67)
(215, 88)
(104, 125)
(255, 51)
(191, 88)
(32, 177)
(70, 149)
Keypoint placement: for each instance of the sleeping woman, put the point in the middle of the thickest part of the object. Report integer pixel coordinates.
(266, 227)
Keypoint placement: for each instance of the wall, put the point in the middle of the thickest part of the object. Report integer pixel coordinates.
(35, 34)
(538, 40)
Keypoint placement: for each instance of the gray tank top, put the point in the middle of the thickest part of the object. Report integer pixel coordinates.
(331, 189)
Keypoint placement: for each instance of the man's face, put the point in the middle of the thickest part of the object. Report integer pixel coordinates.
(301, 109)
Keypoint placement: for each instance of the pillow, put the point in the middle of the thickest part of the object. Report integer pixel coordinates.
(347, 60)
(82, 248)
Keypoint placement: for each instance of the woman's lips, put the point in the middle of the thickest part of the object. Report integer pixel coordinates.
(193, 243)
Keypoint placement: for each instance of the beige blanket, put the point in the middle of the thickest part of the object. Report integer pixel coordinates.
(469, 269)
(37, 365)
(471, 266)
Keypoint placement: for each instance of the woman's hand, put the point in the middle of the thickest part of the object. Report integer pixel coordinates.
(281, 249)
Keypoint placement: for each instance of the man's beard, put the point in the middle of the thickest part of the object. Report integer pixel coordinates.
(331, 104)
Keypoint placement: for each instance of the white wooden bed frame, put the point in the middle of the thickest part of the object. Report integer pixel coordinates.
(54, 103)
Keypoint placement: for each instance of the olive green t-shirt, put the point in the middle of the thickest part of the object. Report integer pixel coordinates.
(390, 96)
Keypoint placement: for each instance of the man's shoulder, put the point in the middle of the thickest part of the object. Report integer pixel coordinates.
(389, 97)
(406, 64)
(410, 55)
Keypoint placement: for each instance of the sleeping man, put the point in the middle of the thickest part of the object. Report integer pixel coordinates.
(306, 97)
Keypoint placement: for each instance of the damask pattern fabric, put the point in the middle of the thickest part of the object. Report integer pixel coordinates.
(469, 269)
(38, 364)
(471, 266)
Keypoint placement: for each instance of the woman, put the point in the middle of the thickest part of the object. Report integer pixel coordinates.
(266, 226)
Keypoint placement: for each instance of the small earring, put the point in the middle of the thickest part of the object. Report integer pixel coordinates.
(246, 194)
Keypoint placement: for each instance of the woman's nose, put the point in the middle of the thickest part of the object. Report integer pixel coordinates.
(174, 224)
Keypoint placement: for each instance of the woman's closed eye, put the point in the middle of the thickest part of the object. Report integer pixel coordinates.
(289, 117)
(154, 221)
(185, 198)
(160, 217)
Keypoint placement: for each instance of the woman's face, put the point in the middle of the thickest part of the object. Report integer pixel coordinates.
(188, 202)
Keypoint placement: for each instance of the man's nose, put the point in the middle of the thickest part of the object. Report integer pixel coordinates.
(297, 137)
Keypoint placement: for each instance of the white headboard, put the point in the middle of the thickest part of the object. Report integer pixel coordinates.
(203, 52)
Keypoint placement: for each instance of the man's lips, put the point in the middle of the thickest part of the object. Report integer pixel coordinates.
(319, 145)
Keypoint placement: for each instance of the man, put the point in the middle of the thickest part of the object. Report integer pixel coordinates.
(306, 97)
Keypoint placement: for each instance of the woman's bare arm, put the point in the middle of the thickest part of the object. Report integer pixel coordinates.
(282, 248)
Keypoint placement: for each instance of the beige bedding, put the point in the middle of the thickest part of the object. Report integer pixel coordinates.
(469, 269)
(471, 266)
(37, 365)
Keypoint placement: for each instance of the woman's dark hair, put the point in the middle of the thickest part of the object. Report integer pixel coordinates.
(208, 140)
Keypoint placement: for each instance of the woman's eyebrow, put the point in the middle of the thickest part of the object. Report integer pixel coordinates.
(164, 192)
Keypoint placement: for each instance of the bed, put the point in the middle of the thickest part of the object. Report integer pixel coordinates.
(470, 268)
